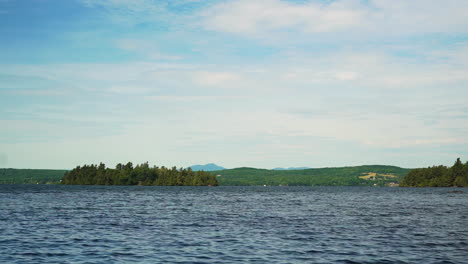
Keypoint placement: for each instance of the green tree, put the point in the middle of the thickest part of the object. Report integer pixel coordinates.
(101, 174)
(438, 176)
(456, 171)
(462, 179)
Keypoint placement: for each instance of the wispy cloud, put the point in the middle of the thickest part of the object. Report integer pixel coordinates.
(260, 18)
(195, 98)
(132, 11)
(215, 78)
(274, 82)
(145, 48)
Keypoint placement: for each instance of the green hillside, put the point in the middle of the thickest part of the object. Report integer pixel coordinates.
(347, 176)
(30, 176)
(367, 175)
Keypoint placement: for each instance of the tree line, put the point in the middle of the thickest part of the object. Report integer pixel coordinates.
(438, 176)
(141, 174)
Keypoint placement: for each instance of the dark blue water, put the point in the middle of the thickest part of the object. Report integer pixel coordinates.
(122, 224)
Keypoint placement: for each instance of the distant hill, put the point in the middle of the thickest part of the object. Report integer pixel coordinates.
(30, 176)
(292, 168)
(207, 167)
(367, 175)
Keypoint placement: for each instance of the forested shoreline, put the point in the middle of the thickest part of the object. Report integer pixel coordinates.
(438, 176)
(142, 174)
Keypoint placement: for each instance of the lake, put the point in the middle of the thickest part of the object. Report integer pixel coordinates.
(136, 224)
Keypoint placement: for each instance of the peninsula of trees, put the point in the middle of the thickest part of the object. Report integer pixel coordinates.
(141, 174)
(438, 176)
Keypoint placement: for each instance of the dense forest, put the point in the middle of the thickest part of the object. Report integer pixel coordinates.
(438, 176)
(30, 176)
(142, 174)
(343, 176)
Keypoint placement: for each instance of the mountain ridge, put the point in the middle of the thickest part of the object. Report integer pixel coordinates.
(207, 167)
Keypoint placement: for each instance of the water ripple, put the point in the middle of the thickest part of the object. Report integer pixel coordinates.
(134, 224)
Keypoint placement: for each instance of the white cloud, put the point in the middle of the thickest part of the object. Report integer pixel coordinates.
(283, 19)
(263, 18)
(368, 100)
(325, 79)
(259, 17)
(420, 16)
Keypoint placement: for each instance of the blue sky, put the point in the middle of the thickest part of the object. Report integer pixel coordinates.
(267, 83)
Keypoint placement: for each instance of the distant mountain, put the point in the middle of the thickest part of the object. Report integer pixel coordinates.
(292, 168)
(207, 167)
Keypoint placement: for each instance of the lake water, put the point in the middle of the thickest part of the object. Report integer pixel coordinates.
(134, 224)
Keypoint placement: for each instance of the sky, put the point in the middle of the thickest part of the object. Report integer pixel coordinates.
(264, 83)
